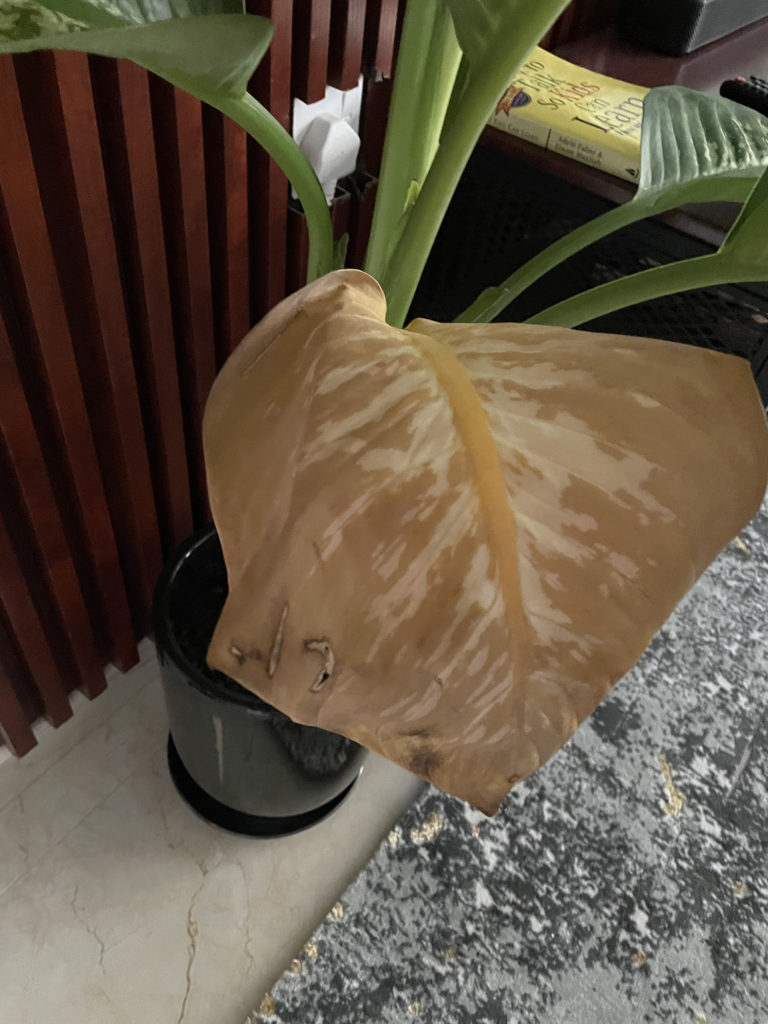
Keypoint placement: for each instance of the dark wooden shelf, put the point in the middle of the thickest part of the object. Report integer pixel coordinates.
(742, 53)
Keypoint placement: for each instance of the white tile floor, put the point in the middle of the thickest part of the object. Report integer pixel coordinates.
(119, 906)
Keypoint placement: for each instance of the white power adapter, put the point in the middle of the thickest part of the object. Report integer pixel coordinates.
(327, 134)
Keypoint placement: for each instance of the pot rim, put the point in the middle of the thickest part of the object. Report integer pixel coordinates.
(165, 634)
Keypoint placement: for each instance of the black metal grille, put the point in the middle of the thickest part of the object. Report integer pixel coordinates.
(504, 212)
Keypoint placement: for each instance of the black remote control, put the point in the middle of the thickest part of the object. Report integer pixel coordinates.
(751, 92)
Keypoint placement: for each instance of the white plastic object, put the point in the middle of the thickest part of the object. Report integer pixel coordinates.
(327, 134)
(331, 146)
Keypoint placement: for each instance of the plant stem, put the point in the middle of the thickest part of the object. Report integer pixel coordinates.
(426, 65)
(407, 263)
(493, 300)
(700, 272)
(480, 91)
(270, 134)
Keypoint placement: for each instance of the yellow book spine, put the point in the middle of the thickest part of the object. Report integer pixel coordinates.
(583, 115)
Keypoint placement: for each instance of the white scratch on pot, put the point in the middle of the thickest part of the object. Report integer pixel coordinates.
(218, 731)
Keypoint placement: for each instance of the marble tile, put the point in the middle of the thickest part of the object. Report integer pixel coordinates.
(140, 911)
(17, 774)
(57, 801)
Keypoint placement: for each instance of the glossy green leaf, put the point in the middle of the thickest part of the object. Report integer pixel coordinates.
(200, 45)
(692, 142)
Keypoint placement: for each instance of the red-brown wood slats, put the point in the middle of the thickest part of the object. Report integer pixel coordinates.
(226, 167)
(50, 355)
(43, 668)
(363, 189)
(73, 190)
(15, 729)
(140, 237)
(178, 123)
(41, 542)
(121, 90)
(311, 40)
(345, 58)
(267, 186)
(382, 22)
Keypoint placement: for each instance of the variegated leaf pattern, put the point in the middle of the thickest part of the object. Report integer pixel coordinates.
(449, 542)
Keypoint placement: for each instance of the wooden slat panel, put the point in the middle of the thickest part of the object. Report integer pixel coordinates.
(226, 167)
(44, 668)
(61, 124)
(381, 26)
(361, 218)
(375, 109)
(311, 36)
(178, 124)
(117, 319)
(42, 306)
(268, 188)
(58, 571)
(345, 57)
(341, 209)
(14, 721)
(133, 488)
(121, 91)
(25, 622)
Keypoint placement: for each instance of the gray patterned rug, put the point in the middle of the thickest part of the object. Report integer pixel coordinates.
(625, 883)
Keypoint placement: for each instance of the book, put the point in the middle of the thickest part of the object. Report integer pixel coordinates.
(583, 115)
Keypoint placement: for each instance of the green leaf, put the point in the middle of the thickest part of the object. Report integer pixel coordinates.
(692, 142)
(200, 45)
(694, 148)
(340, 247)
(481, 24)
(747, 241)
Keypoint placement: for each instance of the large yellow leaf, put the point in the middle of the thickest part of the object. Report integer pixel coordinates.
(448, 542)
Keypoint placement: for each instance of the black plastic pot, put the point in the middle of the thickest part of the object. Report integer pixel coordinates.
(239, 762)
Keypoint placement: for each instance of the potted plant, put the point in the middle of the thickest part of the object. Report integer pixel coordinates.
(470, 531)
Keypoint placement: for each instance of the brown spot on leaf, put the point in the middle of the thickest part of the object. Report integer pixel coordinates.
(423, 761)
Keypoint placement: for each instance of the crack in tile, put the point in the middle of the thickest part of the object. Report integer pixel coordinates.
(192, 932)
(247, 922)
(88, 927)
